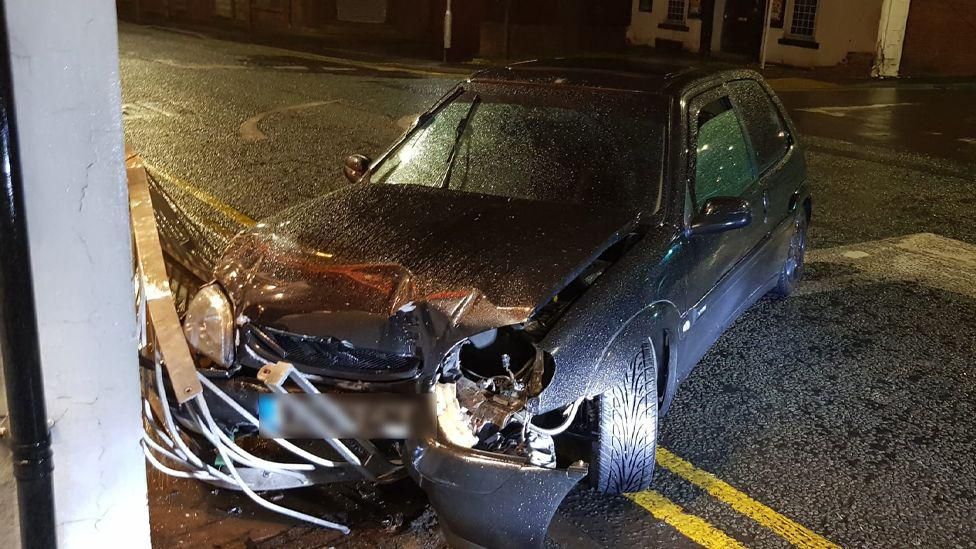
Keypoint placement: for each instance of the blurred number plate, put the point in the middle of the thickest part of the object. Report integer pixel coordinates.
(354, 415)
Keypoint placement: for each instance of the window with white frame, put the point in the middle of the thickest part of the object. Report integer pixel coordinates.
(676, 11)
(804, 21)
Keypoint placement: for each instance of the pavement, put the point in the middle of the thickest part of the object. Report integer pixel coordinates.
(844, 415)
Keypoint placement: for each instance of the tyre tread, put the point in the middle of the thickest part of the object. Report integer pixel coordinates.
(624, 456)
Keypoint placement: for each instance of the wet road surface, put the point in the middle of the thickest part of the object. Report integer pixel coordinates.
(845, 414)
(927, 119)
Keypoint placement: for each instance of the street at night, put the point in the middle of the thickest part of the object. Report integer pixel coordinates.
(487, 274)
(843, 415)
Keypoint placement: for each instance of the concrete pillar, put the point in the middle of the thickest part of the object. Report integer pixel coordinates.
(891, 38)
(64, 58)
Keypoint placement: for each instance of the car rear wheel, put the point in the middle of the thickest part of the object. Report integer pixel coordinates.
(793, 267)
(626, 418)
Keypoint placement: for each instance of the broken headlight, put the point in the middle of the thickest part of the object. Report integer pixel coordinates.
(209, 325)
(487, 381)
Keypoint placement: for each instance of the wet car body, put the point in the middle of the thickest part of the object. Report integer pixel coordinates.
(392, 288)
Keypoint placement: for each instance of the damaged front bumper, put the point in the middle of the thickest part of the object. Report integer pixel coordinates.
(489, 500)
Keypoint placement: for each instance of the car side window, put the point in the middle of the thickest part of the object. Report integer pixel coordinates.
(724, 164)
(767, 131)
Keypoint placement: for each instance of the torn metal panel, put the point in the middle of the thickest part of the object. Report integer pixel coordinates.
(154, 284)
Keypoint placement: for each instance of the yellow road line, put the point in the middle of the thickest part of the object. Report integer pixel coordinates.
(786, 528)
(386, 67)
(694, 528)
(378, 66)
(203, 196)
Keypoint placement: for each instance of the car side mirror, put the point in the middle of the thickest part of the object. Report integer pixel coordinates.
(355, 167)
(720, 214)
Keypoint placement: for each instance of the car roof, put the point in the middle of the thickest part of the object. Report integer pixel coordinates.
(609, 73)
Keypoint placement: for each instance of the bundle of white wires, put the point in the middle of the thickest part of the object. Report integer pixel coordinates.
(166, 450)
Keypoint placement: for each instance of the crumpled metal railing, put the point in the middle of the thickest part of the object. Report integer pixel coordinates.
(176, 384)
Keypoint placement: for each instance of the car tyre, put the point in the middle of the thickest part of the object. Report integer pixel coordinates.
(627, 425)
(792, 271)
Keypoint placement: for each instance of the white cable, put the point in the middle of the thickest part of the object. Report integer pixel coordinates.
(205, 412)
(322, 462)
(235, 478)
(299, 379)
(553, 431)
(151, 421)
(272, 465)
(159, 433)
(156, 447)
(168, 418)
(175, 434)
(175, 455)
(253, 460)
(209, 474)
(158, 465)
(237, 454)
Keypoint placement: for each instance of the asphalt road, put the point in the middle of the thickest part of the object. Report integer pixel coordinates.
(845, 414)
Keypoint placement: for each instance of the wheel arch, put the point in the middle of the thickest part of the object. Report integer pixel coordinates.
(658, 323)
(802, 199)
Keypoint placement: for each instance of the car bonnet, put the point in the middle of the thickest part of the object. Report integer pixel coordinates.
(344, 264)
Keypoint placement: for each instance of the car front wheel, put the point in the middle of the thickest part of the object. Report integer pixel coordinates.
(626, 418)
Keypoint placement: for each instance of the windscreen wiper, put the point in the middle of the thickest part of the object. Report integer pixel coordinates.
(459, 133)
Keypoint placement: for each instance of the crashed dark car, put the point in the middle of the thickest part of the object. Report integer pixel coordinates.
(544, 257)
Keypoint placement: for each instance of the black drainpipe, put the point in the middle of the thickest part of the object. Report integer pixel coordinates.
(30, 440)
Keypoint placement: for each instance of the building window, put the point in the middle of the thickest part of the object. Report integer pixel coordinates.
(676, 11)
(804, 19)
(645, 5)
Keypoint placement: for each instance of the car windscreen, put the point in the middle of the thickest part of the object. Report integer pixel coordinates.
(551, 144)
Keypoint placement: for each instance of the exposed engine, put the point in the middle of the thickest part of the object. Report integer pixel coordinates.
(494, 374)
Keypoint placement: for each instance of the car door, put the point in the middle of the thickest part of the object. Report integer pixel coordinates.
(721, 164)
(779, 161)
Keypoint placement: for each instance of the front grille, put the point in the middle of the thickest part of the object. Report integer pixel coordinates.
(329, 356)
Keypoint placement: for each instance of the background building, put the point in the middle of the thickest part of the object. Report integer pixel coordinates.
(413, 26)
(481, 28)
(864, 36)
(939, 38)
(805, 33)
(936, 38)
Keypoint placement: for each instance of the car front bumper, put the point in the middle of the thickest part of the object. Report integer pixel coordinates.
(489, 500)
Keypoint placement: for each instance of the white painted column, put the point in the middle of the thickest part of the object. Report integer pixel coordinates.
(66, 87)
(891, 38)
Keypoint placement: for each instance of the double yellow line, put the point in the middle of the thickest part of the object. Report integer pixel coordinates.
(707, 535)
(203, 196)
